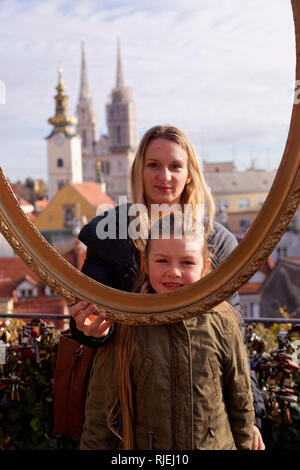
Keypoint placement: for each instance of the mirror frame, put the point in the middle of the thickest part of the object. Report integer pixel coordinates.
(123, 307)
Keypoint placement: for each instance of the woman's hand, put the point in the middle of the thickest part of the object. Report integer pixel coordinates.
(257, 442)
(88, 322)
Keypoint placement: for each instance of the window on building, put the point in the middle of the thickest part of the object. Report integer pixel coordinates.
(84, 141)
(261, 202)
(285, 251)
(60, 163)
(26, 292)
(222, 204)
(49, 292)
(293, 225)
(245, 310)
(254, 310)
(105, 167)
(118, 134)
(258, 277)
(69, 216)
(278, 251)
(282, 251)
(244, 224)
(60, 184)
(244, 203)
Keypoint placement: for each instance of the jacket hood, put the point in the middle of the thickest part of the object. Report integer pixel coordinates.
(114, 250)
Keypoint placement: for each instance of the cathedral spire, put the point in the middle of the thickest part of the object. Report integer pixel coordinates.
(121, 114)
(84, 85)
(120, 76)
(87, 120)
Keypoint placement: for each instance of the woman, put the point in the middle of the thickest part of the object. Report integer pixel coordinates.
(165, 171)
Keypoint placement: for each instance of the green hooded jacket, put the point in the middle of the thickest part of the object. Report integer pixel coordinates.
(191, 388)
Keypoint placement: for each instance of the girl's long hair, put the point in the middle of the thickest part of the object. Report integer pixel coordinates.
(125, 348)
(196, 193)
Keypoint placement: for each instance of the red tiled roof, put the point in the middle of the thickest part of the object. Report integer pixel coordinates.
(93, 193)
(40, 305)
(15, 270)
(6, 288)
(81, 259)
(35, 281)
(295, 259)
(74, 253)
(74, 260)
(23, 201)
(32, 217)
(268, 265)
(41, 203)
(13, 188)
(251, 288)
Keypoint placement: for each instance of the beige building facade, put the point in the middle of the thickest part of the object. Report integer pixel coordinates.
(238, 195)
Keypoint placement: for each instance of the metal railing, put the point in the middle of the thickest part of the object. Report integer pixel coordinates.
(272, 320)
(57, 316)
(50, 316)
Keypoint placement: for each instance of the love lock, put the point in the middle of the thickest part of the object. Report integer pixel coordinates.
(296, 354)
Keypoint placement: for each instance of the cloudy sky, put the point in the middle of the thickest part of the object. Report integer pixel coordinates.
(221, 70)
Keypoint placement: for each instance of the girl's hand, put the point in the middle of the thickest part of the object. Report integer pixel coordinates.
(257, 443)
(88, 322)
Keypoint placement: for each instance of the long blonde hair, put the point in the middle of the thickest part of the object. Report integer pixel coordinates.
(195, 193)
(125, 348)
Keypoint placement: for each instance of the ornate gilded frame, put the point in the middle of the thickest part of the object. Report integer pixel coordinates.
(265, 232)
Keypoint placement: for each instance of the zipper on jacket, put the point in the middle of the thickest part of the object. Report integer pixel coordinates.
(191, 387)
(150, 439)
(172, 386)
(211, 432)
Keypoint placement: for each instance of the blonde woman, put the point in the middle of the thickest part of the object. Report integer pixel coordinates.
(165, 171)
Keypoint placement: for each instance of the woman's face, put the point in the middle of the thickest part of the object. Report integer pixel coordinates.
(165, 172)
(174, 263)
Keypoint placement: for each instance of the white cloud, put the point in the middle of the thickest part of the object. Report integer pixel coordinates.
(222, 73)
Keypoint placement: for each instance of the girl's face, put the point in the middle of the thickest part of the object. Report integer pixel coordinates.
(175, 263)
(165, 172)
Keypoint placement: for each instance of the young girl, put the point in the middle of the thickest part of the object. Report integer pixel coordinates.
(178, 386)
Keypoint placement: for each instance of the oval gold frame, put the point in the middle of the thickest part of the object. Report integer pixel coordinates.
(123, 307)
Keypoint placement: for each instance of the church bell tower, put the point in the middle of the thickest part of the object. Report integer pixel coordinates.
(64, 145)
(121, 114)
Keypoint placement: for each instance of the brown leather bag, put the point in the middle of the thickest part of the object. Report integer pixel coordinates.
(73, 366)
